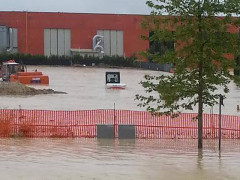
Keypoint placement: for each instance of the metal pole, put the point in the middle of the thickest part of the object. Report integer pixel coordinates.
(220, 122)
(26, 23)
(114, 121)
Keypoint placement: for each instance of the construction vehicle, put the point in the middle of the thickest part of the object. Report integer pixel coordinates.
(10, 71)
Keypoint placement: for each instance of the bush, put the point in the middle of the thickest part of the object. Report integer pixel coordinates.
(28, 59)
(5, 126)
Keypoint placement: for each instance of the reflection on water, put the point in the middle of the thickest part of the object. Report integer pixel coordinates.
(117, 159)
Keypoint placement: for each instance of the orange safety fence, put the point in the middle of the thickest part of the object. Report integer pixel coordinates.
(83, 123)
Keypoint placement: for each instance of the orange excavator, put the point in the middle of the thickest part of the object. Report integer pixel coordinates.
(11, 71)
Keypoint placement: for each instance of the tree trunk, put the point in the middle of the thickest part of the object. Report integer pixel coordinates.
(200, 80)
(200, 105)
(200, 123)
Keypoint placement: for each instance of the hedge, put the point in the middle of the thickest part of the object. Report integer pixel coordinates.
(29, 59)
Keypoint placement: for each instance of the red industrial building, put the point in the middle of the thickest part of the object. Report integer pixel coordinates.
(49, 33)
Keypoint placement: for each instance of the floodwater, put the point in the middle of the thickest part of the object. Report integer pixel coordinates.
(85, 88)
(74, 159)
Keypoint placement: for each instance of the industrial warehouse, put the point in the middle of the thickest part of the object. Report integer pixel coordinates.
(90, 90)
(60, 34)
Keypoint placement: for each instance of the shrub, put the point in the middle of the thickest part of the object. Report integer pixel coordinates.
(29, 59)
(26, 129)
(5, 126)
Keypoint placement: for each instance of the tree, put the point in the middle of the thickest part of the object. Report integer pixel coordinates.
(205, 33)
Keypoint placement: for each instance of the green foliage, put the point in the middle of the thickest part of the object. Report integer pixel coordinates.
(28, 59)
(158, 47)
(202, 41)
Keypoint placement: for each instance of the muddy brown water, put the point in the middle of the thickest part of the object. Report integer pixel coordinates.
(61, 159)
(74, 159)
(85, 88)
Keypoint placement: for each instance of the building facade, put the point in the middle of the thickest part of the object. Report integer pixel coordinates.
(65, 33)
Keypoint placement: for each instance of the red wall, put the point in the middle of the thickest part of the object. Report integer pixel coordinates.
(83, 27)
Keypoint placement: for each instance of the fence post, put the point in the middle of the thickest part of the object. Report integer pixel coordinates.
(114, 121)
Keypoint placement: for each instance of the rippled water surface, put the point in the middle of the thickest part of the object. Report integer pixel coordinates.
(67, 159)
(62, 159)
